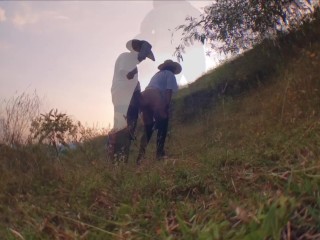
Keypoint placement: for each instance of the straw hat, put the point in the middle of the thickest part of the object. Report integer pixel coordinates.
(176, 67)
(135, 45)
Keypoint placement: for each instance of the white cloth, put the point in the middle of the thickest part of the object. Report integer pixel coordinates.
(122, 88)
(163, 80)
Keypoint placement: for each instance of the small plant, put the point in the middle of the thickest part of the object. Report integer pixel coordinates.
(54, 128)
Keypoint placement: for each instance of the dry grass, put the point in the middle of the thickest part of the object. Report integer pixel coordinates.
(246, 166)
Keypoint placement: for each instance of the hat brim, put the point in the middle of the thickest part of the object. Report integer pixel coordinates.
(151, 56)
(174, 65)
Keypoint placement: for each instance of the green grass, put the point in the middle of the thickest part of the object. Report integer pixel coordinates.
(244, 163)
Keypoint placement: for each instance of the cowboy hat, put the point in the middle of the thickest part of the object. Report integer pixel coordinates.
(136, 45)
(176, 67)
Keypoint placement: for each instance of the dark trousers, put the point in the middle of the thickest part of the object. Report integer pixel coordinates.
(133, 113)
(155, 116)
(118, 146)
(119, 142)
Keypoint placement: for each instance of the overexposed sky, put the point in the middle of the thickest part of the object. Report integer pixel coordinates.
(66, 50)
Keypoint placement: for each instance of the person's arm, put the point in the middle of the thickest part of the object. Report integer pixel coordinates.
(131, 74)
(171, 86)
(168, 97)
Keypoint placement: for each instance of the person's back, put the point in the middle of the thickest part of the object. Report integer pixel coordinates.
(163, 80)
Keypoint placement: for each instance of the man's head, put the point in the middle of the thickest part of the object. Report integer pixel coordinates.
(142, 47)
(170, 65)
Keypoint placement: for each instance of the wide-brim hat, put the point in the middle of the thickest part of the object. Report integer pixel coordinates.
(176, 67)
(135, 45)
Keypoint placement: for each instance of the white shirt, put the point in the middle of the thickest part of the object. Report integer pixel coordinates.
(163, 80)
(122, 88)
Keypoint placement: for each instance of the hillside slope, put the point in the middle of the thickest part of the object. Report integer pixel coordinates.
(244, 147)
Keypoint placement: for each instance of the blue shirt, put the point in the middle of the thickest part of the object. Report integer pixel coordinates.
(163, 80)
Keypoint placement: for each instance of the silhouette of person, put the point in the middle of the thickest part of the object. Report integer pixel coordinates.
(156, 99)
(158, 27)
(125, 91)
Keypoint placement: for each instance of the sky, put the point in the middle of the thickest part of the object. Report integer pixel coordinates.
(66, 50)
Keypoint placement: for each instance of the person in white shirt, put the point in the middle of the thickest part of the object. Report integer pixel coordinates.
(155, 106)
(125, 91)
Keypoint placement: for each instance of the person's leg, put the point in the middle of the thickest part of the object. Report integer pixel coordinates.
(161, 136)
(145, 138)
(162, 119)
(133, 114)
(123, 137)
(118, 146)
(147, 116)
(124, 145)
(111, 144)
(132, 119)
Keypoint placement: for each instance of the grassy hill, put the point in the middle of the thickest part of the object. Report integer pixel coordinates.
(244, 143)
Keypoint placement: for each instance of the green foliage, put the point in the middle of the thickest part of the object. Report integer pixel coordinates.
(54, 128)
(252, 70)
(231, 26)
(272, 219)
